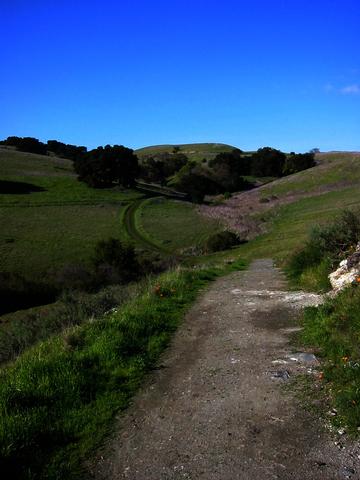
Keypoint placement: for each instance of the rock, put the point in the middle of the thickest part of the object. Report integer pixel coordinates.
(280, 374)
(347, 273)
(303, 357)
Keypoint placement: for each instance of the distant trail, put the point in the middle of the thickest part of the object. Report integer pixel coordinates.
(133, 232)
(215, 409)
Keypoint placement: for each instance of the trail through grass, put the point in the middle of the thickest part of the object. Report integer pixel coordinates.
(60, 397)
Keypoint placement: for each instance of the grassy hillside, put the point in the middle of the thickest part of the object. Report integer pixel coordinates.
(334, 172)
(195, 151)
(174, 225)
(286, 209)
(13, 163)
(52, 219)
(289, 225)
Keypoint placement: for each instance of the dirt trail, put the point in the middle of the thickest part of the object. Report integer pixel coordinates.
(213, 411)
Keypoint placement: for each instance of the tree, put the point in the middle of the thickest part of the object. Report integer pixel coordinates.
(72, 152)
(297, 162)
(228, 169)
(153, 171)
(27, 144)
(268, 162)
(158, 168)
(197, 185)
(104, 166)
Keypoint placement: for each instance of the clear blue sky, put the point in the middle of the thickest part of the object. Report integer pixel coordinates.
(284, 73)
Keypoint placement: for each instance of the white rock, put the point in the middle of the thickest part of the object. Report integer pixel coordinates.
(348, 271)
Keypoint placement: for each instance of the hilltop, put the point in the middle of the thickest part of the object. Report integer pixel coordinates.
(194, 151)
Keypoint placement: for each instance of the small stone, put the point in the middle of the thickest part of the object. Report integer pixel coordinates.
(280, 374)
(348, 471)
(303, 357)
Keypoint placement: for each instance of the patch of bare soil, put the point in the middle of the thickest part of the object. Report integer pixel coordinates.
(216, 408)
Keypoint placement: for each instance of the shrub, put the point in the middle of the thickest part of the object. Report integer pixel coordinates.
(115, 261)
(221, 241)
(326, 246)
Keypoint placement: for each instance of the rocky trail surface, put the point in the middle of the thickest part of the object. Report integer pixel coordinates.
(215, 409)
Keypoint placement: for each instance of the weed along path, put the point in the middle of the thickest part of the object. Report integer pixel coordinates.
(216, 409)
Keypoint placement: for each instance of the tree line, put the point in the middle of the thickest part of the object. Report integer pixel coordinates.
(227, 172)
(33, 145)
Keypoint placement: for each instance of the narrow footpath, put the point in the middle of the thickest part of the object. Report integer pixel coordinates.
(215, 409)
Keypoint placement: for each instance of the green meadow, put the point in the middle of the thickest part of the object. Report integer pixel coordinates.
(174, 225)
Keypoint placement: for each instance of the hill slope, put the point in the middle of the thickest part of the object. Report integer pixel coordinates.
(195, 151)
(49, 219)
(283, 211)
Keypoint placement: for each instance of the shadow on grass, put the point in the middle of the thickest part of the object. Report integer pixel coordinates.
(10, 187)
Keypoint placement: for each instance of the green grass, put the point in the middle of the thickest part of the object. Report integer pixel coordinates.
(334, 329)
(42, 238)
(46, 229)
(173, 225)
(64, 191)
(22, 329)
(60, 397)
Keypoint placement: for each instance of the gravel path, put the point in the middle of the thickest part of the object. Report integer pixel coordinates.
(215, 409)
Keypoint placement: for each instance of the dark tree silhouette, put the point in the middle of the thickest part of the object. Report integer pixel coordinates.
(297, 162)
(228, 169)
(72, 152)
(268, 162)
(107, 165)
(26, 144)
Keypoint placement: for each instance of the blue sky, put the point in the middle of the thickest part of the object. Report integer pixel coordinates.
(250, 73)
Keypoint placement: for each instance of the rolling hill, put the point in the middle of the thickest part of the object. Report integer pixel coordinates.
(194, 151)
(278, 216)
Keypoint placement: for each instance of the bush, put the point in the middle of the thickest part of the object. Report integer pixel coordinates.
(115, 261)
(221, 241)
(326, 247)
